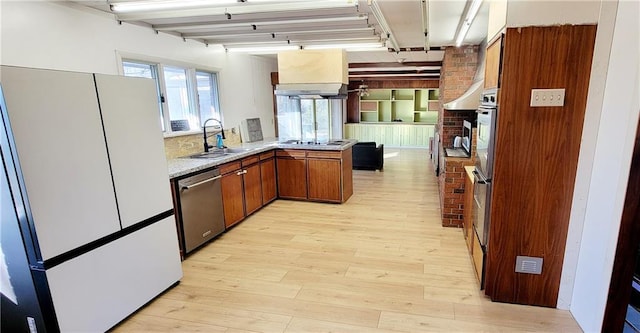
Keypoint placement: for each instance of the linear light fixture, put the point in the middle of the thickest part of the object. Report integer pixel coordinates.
(213, 7)
(270, 47)
(261, 49)
(425, 23)
(469, 16)
(377, 13)
(258, 23)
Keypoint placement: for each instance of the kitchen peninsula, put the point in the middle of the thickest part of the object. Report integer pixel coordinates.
(243, 179)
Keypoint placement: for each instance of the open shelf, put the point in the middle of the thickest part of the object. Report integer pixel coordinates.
(405, 105)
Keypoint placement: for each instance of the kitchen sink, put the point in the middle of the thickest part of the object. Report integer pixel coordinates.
(211, 154)
(219, 153)
(235, 150)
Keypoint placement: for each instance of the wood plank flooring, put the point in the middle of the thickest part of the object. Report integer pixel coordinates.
(381, 262)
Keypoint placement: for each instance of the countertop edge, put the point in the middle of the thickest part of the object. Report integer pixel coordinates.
(469, 170)
(182, 166)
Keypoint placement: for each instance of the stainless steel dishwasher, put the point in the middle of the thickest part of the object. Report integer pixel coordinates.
(201, 216)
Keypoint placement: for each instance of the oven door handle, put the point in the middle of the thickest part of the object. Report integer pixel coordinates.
(479, 178)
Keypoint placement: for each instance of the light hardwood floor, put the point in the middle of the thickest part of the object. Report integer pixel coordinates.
(381, 262)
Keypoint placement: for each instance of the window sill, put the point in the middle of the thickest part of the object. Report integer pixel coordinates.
(182, 133)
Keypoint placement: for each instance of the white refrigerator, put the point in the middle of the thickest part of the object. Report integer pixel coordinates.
(98, 207)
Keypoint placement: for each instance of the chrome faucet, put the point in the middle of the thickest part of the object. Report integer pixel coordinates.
(204, 133)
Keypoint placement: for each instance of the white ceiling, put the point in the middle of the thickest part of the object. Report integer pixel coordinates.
(303, 23)
(404, 18)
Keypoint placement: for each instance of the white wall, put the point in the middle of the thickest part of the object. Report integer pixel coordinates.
(45, 34)
(599, 67)
(540, 13)
(610, 172)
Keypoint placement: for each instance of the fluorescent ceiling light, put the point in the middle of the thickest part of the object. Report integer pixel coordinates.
(273, 35)
(260, 23)
(261, 49)
(468, 19)
(231, 6)
(348, 46)
(141, 6)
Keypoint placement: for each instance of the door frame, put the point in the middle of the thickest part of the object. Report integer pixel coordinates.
(628, 241)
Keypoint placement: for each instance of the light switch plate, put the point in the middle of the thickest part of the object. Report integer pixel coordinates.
(547, 97)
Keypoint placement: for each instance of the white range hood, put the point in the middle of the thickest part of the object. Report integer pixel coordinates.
(313, 74)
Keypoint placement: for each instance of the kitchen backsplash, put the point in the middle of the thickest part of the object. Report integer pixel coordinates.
(186, 145)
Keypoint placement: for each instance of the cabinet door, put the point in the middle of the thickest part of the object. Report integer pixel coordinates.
(292, 178)
(268, 174)
(492, 64)
(136, 149)
(252, 188)
(232, 198)
(468, 212)
(60, 144)
(324, 179)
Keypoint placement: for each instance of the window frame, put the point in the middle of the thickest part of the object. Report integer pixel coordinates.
(192, 88)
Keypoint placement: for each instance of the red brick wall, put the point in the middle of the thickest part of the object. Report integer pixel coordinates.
(458, 68)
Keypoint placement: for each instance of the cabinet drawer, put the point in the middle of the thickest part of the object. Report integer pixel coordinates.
(291, 153)
(229, 167)
(250, 160)
(324, 154)
(267, 155)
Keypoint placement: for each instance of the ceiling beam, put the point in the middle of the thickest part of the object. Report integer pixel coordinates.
(276, 33)
(389, 78)
(403, 72)
(395, 64)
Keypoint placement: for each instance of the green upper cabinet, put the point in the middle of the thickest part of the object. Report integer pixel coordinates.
(400, 105)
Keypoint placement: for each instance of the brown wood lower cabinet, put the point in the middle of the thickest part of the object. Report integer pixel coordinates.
(252, 188)
(241, 189)
(324, 179)
(468, 230)
(316, 175)
(472, 240)
(232, 193)
(292, 174)
(268, 176)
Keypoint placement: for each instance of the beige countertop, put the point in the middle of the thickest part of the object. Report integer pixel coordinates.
(186, 165)
(469, 170)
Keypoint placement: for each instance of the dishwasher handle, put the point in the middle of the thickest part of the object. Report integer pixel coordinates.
(184, 188)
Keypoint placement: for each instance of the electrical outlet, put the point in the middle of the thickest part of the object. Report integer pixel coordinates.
(547, 97)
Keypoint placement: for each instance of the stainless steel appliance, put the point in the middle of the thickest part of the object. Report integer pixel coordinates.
(466, 136)
(487, 114)
(201, 216)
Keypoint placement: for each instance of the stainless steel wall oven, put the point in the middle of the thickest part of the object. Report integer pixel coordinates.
(487, 115)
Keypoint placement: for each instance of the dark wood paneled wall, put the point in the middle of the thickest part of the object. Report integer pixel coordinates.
(628, 243)
(536, 159)
(353, 107)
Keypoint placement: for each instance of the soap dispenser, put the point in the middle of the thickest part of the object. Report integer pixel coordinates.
(219, 142)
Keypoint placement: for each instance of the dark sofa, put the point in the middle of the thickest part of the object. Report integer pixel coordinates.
(366, 156)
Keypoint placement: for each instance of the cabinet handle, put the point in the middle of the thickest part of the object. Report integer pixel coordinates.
(239, 173)
(244, 171)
